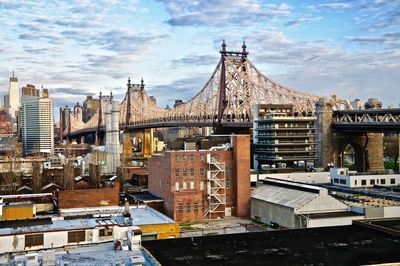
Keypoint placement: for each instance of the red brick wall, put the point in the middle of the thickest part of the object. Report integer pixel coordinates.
(89, 197)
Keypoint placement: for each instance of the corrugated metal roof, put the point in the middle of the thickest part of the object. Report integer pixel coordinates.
(287, 197)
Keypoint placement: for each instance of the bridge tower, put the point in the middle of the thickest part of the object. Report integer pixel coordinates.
(368, 147)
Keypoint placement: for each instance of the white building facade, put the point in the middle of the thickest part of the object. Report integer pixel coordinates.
(345, 178)
(13, 96)
(37, 125)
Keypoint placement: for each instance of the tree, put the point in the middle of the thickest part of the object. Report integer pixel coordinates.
(391, 149)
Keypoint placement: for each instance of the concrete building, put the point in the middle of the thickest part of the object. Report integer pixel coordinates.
(13, 96)
(37, 124)
(280, 138)
(90, 106)
(357, 104)
(294, 205)
(112, 145)
(350, 179)
(201, 184)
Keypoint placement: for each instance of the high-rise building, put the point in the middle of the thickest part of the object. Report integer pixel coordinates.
(113, 146)
(37, 123)
(13, 96)
(282, 138)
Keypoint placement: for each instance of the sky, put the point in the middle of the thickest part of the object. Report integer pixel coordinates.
(77, 48)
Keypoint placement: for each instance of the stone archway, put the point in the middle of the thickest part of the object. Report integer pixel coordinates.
(352, 156)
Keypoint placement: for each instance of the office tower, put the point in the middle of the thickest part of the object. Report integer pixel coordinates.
(113, 146)
(13, 96)
(37, 123)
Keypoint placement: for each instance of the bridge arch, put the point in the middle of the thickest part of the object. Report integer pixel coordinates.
(352, 155)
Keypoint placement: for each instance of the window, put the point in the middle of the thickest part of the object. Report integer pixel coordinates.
(33, 240)
(202, 185)
(180, 208)
(355, 182)
(176, 171)
(192, 171)
(184, 186)
(196, 207)
(343, 181)
(363, 182)
(192, 185)
(184, 172)
(192, 157)
(103, 232)
(336, 180)
(76, 236)
(383, 181)
(177, 157)
(184, 157)
(392, 181)
(201, 171)
(188, 207)
(227, 183)
(202, 157)
(372, 182)
(176, 186)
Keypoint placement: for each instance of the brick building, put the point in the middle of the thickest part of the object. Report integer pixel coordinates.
(203, 184)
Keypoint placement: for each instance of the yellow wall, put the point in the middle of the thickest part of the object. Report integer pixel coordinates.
(163, 231)
(17, 212)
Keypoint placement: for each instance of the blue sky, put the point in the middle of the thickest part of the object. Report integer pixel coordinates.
(77, 48)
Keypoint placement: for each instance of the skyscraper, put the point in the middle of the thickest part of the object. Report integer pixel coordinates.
(37, 123)
(13, 96)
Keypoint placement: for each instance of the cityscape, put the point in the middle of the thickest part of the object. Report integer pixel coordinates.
(199, 132)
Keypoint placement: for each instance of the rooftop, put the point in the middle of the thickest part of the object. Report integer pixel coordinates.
(341, 245)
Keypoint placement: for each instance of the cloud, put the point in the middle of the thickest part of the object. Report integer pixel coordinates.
(334, 6)
(301, 21)
(218, 13)
(195, 60)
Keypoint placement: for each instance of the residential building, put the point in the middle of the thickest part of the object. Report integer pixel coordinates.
(282, 138)
(293, 205)
(37, 123)
(201, 184)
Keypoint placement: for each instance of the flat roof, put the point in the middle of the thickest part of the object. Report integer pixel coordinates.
(340, 245)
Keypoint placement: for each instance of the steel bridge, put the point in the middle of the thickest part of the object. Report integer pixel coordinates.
(369, 120)
(226, 100)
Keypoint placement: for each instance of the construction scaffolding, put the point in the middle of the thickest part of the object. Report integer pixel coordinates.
(216, 192)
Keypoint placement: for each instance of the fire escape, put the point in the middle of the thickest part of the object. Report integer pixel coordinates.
(215, 188)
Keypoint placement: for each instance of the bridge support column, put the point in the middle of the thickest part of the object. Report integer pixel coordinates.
(375, 152)
(82, 139)
(325, 152)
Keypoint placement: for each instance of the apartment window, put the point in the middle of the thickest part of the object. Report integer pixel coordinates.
(184, 185)
(202, 185)
(188, 207)
(180, 208)
(184, 172)
(177, 157)
(76, 236)
(33, 240)
(192, 171)
(392, 181)
(363, 182)
(202, 157)
(201, 171)
(383, 181)
(184, 157)
(196, 207)
(191, 185)
(227, 183)
(106, 232)
(192, 157)
(176, 171)
(176, 186)
(372, 182)
(343, 181)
